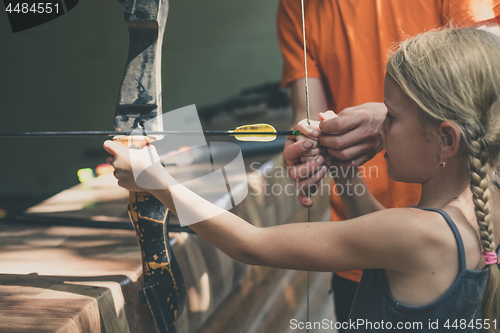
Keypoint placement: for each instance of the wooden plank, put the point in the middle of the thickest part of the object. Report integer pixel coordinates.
(83, 277)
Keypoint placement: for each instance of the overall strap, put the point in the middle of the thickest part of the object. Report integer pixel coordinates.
(456, 233)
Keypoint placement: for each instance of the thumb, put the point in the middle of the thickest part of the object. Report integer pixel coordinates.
(112, 147)
(327, 115)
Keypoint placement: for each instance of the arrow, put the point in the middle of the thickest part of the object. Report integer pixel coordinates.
(255, 132)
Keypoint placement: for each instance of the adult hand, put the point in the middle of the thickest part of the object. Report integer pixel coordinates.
(305, 164)
(137, 170)
(351, 137)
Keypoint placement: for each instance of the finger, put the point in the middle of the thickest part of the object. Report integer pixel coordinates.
(304, 200)
(342, 123)
(290, 140)
(110, 160)
(351, 153)
(312, 154)
(306, 170)
(303, 137)
(111, 147)
(294, 150)
(327, 115)
(305, 159)
(288, 151)
(349, 138)
(356, 162)
(311, 130)
(310, 185)
(120, 175)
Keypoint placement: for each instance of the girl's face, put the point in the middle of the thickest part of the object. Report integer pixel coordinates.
(411, 155)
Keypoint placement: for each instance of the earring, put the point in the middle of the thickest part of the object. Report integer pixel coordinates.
(442, 164)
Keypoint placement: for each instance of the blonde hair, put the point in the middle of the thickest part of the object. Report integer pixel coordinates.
(454, 74)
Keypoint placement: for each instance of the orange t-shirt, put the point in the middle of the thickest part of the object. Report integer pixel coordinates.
(347, 47)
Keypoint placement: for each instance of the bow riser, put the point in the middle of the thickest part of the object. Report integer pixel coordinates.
(139, 107)
(139, 100)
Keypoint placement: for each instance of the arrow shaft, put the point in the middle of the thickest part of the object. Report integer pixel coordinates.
(115, 133)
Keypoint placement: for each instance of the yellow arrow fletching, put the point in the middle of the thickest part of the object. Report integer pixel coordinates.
(259, 128)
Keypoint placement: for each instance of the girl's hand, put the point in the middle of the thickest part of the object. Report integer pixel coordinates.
(311, 133)
(136, 170)
(304, 161)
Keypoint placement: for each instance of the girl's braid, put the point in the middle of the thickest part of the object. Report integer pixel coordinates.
(480, 180)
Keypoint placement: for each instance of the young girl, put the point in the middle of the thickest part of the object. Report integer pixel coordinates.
(431, 267)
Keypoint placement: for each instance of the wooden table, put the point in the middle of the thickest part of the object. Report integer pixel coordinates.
(67, 279)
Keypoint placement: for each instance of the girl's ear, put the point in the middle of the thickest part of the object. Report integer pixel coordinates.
(450, 138)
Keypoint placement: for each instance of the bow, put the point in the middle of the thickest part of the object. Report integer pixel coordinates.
(138, 106)
(139, 102)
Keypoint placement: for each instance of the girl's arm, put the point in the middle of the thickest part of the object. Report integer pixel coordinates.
(387, 239)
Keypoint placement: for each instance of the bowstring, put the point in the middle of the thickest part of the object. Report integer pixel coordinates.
(305, 61)
(309, 123)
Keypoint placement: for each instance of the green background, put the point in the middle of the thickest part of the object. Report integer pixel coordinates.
(65, 75)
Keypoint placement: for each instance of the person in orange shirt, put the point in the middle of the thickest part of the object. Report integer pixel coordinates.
(347, 45)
